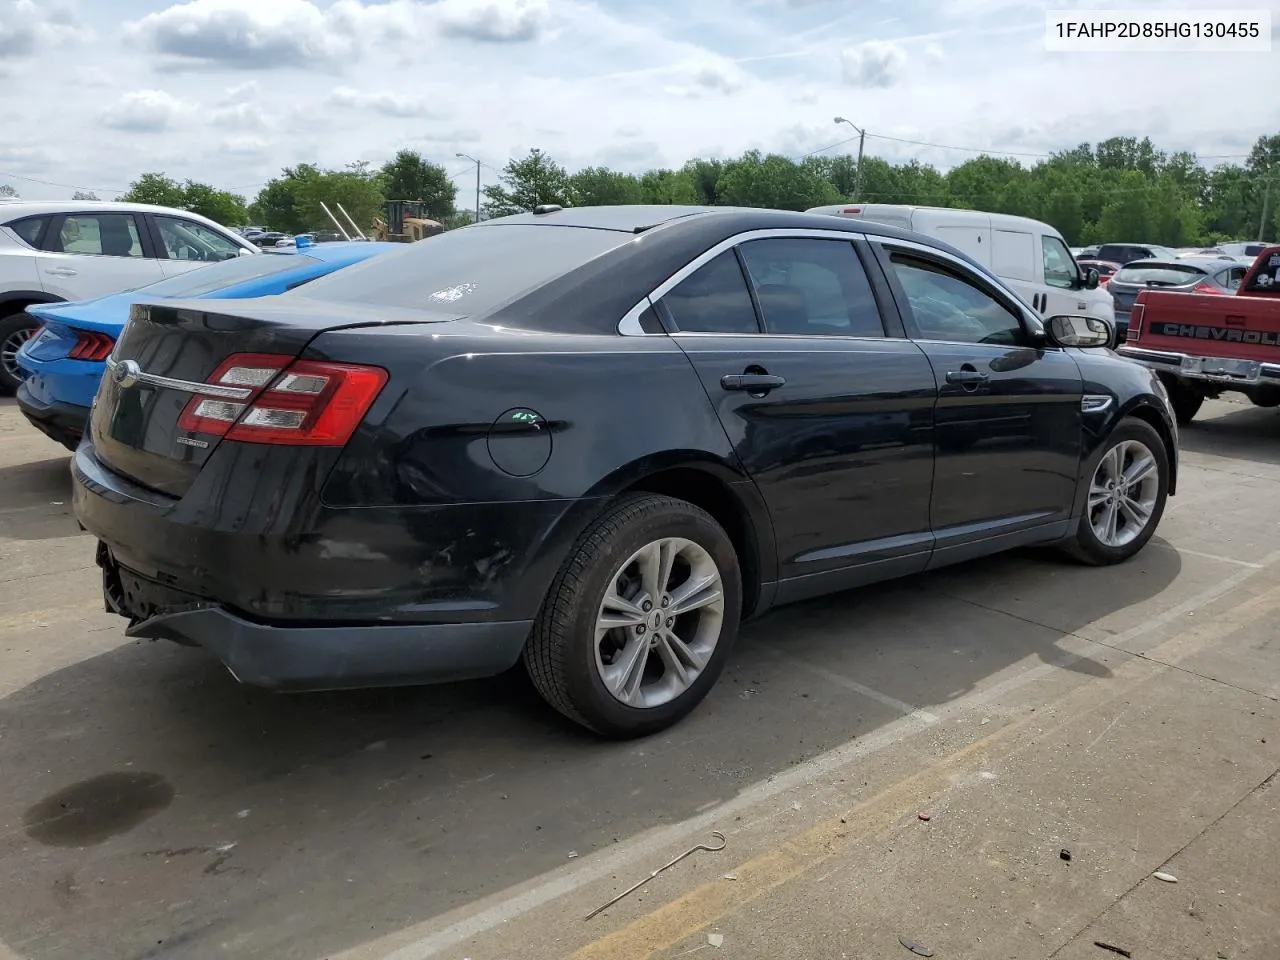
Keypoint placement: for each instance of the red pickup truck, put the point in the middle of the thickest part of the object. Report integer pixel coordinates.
(1205, 345)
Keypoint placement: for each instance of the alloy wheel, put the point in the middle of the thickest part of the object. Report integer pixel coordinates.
(659, 622)
(9, 350)
(1123, 493)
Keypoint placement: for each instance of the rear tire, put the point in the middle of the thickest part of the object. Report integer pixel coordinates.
(1128, 486)
(640, 620)
(1184, 398)
(15, 330)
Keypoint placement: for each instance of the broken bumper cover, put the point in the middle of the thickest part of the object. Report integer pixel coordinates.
(308, 658)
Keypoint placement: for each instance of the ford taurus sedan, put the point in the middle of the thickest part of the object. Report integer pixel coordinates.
(595, 440)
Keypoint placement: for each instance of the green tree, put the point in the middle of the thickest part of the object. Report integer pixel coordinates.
(155, 188)
(705, 176)
(527, 183)
(409, 176)
(83, 195)
(7, 191)
(773, 181)
(356, 191)
(669, 187)
(218, 205)
(1127, 216)
(600, 186)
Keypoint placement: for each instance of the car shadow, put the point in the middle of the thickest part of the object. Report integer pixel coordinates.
(37, 500)
(1244, 433)
(154, 807)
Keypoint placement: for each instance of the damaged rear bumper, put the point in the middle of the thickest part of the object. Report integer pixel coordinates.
(301, 658)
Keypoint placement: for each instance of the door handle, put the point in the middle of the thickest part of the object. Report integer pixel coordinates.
(60, 272)
(751, 382)
(970, 376)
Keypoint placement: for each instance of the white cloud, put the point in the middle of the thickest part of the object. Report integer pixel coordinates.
(495, 21)
(143, 111)
(875, 63)
(250, 34)
(383, 102)
(247, 92)
(28, 27)
(710, 79)
(240, 116)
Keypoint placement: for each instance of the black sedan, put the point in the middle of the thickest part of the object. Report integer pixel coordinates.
(595, 440)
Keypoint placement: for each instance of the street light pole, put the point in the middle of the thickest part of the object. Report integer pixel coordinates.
(463, 156)
(862, 138)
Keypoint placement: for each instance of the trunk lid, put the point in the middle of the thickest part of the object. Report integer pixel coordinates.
(177, 346)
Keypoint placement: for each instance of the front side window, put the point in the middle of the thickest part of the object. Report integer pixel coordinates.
(713, 299)
(811, 287)
(1059, 266)
(948, 307)
(98, 235)
(188, 240)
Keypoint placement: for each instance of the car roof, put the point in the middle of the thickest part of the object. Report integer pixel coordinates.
(34, 208)
(1200, 263)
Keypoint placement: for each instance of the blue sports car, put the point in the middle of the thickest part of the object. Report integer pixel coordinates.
(62, 364)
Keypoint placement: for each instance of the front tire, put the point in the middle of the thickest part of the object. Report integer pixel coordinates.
(1128, 487)
(640, 620)
(15, 330)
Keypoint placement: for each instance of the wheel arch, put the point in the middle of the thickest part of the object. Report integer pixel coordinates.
(1152, 416)
(16, 301)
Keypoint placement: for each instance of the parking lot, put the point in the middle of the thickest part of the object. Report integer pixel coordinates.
(1024, 705)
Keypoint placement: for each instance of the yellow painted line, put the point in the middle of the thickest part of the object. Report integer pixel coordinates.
(683, 917)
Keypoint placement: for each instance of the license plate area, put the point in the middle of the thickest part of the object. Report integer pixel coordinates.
(1213, 368)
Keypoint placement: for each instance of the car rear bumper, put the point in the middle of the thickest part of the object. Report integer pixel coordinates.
(294, 595)
(309, 658)
(1219, 371)
(63, 422)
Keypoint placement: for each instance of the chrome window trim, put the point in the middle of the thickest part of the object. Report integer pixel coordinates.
(187, 386)
(629, 325)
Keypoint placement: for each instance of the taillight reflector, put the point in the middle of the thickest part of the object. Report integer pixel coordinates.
(91, 346)
(852, 209)
(305, 402)
(1134, 331)
(1203, 287)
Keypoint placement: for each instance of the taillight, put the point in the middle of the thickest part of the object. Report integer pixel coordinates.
(1135, 322)
(1203, 287)
(290, 402)
(92, 346)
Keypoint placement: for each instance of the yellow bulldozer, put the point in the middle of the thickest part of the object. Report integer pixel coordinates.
(406, 222)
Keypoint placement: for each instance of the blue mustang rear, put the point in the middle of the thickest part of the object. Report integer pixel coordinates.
(63, 363)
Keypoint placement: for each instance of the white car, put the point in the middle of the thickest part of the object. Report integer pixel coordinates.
(57, 250)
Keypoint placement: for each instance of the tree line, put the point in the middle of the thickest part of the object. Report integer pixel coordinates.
(1121, 189)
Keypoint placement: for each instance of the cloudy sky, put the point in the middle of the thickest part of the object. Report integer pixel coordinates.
(93, 92)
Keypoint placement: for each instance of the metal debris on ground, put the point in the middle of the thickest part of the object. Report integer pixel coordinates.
(715, 939)
(573, 854)
(1065, 854)
(924, 816)
(1166, 877)
(670, 863)
(917, 948)
(1113, 948)
(731, 876)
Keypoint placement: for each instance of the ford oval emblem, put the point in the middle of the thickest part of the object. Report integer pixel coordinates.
(126, 373)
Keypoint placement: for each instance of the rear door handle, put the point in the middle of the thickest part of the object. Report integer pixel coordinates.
(966, 376)
(751, 382)
(60, 272)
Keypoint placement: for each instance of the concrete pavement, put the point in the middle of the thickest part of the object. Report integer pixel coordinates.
(1024, 704)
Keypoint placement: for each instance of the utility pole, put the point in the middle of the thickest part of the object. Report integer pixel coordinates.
(862, 139)
(1266, 203)
(463, 156)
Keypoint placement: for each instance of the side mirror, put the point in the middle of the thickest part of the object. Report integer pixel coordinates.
(1079, 331)
(1091, 279)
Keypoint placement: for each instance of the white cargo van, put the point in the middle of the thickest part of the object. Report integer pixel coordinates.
(1030, 256)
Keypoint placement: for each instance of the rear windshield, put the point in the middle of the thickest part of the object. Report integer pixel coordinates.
(1121, 252)
(470, 270)
(1266, 280)
(1158, 275)
(228, 273)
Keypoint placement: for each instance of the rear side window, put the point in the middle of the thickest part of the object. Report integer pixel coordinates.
(1121, 252)
(29, 229)
(813, 288)
(98, 235)
(713, 299)
(1159, 275)
(470, 270)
